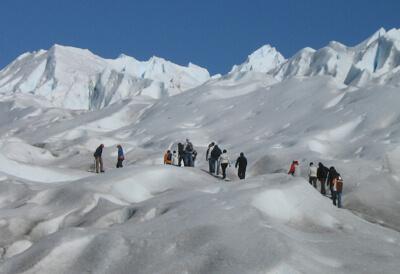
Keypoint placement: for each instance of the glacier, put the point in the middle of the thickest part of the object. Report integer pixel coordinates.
(77, 79)
(337, 105)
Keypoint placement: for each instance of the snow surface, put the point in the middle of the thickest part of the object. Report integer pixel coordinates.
(56, 217)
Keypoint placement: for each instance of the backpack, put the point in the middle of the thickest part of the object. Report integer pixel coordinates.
(339, 184)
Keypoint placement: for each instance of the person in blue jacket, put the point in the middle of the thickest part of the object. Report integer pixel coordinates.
(121, 156)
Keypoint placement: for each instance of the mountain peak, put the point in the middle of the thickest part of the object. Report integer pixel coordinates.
(377, 34)
(263, 51)
(265, 59)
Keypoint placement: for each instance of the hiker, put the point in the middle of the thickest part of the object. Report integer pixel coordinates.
(211, 164)
(181, 152)
(331, 175)
(322, 174)
(292, 169)
(337, 187)
(241, 162)
(98, 160)
(312, 175)
(168, 158)
(120, 157)
(214, 156)
(188, 154)
(224, 160)
(194, 156)
(175, 158)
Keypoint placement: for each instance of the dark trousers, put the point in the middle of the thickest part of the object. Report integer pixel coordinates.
(188, 159)
(331, 189)
(119, 163)
(313, 181)
(323, 182)
(241, 173)
(224, 166)
(337, 196)
(211, 165)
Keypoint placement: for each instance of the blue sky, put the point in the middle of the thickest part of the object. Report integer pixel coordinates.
(214, 34)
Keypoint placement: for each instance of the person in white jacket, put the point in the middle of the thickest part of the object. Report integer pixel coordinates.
(312, 175)
(224, 160)
(175, 158)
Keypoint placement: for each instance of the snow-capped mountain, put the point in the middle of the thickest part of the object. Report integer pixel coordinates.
(264, 59)
(376, 59)
(77, 79)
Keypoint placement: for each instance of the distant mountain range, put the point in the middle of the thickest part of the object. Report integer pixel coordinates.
(77, 79)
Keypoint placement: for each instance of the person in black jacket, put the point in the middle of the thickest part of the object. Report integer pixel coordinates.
(211, 165)
(99, 161)
(241, 162)
(331, 175)
(181, 151)
(322, 174)
(214, 156)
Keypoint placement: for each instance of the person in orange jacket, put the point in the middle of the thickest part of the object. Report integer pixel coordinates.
(168, 158)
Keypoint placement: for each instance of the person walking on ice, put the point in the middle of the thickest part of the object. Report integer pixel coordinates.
(188, 154)
(332, 173)
(224, 160)
(120, 157)
(175, 158)
(322, 174)
(215, 153)
(241, 162)
(211, 163)
(168, 157)
(312, 175)
(98, 159)
(181, 154)
(292, 170)
(337, 188)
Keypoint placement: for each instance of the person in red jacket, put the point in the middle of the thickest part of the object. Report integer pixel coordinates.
(292, 169)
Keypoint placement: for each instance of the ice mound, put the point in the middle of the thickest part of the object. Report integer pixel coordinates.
(289, 205)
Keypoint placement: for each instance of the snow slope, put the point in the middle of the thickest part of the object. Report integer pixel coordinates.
(150, 218)
(77, 79)
(176, 225)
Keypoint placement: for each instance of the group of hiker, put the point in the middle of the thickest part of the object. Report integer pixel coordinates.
(219, 159)
(186, 154)
(328, 177)
(98, 165)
